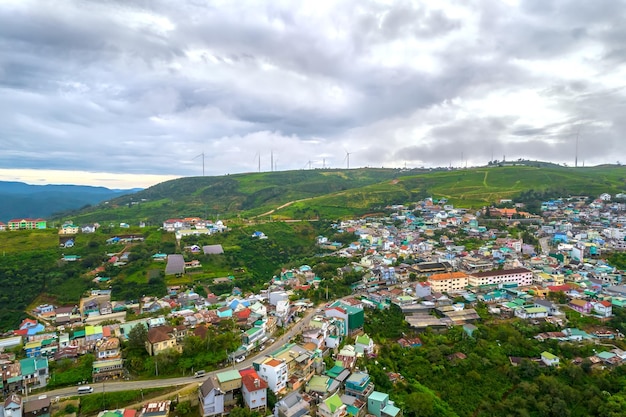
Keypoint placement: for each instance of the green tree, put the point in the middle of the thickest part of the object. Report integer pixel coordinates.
(137, 337)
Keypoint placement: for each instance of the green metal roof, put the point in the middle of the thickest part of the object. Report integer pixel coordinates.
(230, 375)
(549, 355)
(333, 402)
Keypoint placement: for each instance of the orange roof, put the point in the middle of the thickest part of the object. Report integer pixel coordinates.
(447, 275)
(273, 363)
(253, 383)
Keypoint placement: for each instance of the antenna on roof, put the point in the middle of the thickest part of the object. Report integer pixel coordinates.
(201, 155)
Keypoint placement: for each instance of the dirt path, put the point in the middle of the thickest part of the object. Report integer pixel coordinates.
(280, 207)
(184, 390)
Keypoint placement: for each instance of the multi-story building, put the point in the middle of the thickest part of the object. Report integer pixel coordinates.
(448, 282)
(274, 372)
(378, 404)
(520, 276)
(253, 390)
(27, 224)
(69, 229)
(353, 317)
(211, 398)
(359, 385)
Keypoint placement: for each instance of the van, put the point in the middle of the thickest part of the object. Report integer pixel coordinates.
(199, 374)
(86, 389)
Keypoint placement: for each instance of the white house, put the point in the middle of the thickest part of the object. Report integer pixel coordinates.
(274, 372)
(549, 359)
(603, 308)
(254, 391)
(211, 398)
(531, 312)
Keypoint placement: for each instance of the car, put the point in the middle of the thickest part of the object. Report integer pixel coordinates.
(240, 359)
(199, 374)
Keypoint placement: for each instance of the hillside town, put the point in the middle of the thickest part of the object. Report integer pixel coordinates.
(441, 265)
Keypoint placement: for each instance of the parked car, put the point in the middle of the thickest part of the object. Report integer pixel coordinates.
(240, 359)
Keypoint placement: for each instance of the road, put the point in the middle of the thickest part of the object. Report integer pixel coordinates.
(111, 386)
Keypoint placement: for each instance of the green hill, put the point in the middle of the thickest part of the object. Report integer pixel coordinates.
(338, 193)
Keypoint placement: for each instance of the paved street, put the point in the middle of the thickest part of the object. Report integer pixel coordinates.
(170, 382)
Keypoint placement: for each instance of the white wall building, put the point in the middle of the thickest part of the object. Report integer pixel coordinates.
(519, 276)
(274, 372)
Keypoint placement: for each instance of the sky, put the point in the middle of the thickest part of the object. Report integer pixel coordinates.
(128, 94)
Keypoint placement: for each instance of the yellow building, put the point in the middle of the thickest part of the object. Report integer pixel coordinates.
(448, 282)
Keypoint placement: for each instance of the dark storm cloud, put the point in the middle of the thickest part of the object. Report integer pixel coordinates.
(114, 86)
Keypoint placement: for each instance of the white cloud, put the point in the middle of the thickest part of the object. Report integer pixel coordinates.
(140, 89)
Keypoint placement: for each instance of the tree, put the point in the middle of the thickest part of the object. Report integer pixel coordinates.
(419, 404)
(137, 337)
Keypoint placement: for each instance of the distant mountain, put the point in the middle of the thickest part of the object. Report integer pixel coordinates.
(25, 200)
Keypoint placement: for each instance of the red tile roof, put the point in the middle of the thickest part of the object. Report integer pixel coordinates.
(253, 383)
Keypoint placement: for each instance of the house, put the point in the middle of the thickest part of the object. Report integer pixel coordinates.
(359, 385)
(29, 327)
(378, 404)
(109, 348)
(35, 372)
(274, 371)
(12, 406)
(89, 228)
(253, 390)
(3, 227)
(159, 339)
(364, 344)
(156, 409)
(332, 407)
(292, 405)
(549, 359)
(582, 306)
(37, 408)
(531, 312)
(552, 308)
(603, 308)
(211, 398)
(229, 382)
(69, 229)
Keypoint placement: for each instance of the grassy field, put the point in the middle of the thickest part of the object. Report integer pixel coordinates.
(341, 193)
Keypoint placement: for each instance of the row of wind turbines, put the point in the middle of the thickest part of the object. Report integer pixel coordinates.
(274, 161)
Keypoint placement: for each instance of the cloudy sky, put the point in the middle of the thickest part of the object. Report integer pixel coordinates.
(126, 94)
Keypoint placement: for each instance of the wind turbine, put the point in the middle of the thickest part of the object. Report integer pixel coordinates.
(198, 156)
(347, 158)
(309, 164)
(258, 155)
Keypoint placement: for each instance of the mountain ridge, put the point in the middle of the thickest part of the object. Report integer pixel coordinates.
(21, 200)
